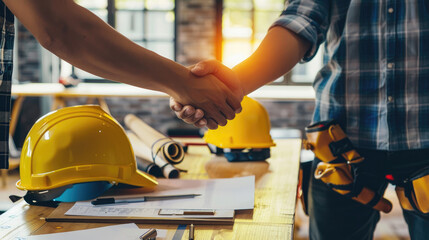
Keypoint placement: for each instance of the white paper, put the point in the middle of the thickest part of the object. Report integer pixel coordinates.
(223, 193)
(219, 194)
(80, 209)
(115, 232)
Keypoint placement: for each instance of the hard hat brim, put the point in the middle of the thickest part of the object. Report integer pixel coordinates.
(44, 181)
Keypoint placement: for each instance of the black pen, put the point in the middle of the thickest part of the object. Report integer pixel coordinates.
(112, 200)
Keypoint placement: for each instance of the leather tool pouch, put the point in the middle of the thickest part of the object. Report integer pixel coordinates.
(413, 193)
(304, 183)
(328, 142)
(338, 161)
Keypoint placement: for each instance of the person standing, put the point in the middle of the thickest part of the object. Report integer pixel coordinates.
(374, 83)
(76, 35)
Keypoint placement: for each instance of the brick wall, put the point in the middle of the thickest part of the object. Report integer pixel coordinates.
(196, 41)
(156, 112)
(289, 114)
(196, 31)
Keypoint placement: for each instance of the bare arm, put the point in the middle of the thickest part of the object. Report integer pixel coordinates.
(278, 53)
(82, 39)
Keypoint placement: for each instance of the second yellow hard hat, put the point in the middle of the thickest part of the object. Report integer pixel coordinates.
(249, 129)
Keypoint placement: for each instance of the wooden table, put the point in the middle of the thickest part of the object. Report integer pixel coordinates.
(272, 217)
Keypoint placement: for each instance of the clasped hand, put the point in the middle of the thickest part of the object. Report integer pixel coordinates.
(211, 118)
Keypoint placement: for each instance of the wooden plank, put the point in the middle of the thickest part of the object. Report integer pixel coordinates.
(83, 90)
(243, 231)
(300, 93)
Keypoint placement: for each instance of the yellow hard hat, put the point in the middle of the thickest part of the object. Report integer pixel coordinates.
(77, 145)
(249, 129)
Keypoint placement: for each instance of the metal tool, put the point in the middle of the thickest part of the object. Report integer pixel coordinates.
(112, 200)
(191, 232)
(149, 235)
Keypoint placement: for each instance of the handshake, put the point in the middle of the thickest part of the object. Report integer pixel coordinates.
(212, 98)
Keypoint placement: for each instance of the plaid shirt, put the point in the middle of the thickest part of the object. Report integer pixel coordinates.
(375, 78)
(6, 54)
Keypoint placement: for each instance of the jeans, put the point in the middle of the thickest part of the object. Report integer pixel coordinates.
(334, 216)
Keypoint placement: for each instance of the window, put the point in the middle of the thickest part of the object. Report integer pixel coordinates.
(149, 23)
(244, 25)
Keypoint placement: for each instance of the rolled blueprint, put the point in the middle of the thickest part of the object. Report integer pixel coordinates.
(159, 144)
(149, 167)
(141, 150)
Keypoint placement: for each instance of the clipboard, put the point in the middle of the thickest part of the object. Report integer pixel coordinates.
(58, 215)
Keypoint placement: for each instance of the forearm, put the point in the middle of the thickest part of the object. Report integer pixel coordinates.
(277, 54)
(115, 57)
(90, 44)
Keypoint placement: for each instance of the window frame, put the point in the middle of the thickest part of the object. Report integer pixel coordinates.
(111, 20)
(288, 77)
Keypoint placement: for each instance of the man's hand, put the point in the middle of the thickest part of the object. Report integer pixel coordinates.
(188, 113)
(223, 73)
(196, 116)
(212, 98)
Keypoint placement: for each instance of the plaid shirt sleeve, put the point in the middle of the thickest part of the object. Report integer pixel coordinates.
(308, 19)
(6, 58)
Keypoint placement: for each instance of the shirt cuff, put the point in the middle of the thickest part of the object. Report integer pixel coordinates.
(303, 28)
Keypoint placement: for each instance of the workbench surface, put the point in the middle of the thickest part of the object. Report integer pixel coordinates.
(272, 217)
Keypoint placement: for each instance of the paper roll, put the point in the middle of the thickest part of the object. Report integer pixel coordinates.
(158, 143)
(141, 150)
(149, 167)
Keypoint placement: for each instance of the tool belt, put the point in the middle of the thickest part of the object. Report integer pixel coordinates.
(304, 184)
(339, 159)
(413, 192)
